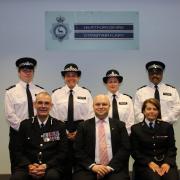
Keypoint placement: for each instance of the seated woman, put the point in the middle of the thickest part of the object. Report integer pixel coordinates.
(153, 146)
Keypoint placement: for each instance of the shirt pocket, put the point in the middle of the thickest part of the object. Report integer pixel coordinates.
(20, 102)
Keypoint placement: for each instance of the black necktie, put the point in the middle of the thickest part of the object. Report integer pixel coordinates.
(151, 126)
(30, 102)
(42, 128)
(70, 115)
(115, 114)
(156, 96)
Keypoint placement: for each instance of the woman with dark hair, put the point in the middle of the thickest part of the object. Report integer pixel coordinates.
(153, 146)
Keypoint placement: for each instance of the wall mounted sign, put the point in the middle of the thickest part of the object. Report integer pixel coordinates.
(91, 30)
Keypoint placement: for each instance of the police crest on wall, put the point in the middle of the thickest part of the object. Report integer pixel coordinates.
(60, 30)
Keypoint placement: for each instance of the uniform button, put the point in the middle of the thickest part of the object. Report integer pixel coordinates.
(154, 144)
(41, 145)
(40, 153)
(153, 137)
(41, 136)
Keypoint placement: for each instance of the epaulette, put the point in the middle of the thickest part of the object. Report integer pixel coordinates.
(142, 87)
(128, 95)
(55, 89)
(86, 89)
(39, 86)
(170, 85)
(11, 87)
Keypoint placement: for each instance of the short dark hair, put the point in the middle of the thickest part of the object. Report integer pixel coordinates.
(153, 101)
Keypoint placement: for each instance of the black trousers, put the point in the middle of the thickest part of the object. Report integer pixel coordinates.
(146, 173)
(89, 175)
(22, 174)
(13, 138)
(70, 161)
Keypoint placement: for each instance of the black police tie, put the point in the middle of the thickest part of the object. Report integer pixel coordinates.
(42, 128)
(151, 126)
(30, 102)
(115, 114)
(156, 96)
(70, 115)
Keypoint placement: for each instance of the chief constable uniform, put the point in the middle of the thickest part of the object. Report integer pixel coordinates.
(72, 113)
(165, 93)
(121, 104)
(42, 146)
(16, 100)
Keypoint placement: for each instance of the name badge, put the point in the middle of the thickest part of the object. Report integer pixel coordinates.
(51, 136)
(123, 103)
(80, 97)
(161, 137)
(167, 94)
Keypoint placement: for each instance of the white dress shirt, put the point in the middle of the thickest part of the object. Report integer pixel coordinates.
(83, 103)
(169, 100)
(125, 109)
(16, 105)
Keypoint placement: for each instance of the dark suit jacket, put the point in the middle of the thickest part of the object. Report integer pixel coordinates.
(157, 145)
(52, 148)
(85, 145)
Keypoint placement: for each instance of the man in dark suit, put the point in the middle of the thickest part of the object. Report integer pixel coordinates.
(102, 146)
(41, 148)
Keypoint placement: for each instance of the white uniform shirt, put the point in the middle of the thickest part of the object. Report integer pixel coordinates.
(125, 109)
(83, 103)
(169, 100)
(16, 105)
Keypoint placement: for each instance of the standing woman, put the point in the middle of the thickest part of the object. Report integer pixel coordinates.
(153, 146)
(72, 104)
(121, 104)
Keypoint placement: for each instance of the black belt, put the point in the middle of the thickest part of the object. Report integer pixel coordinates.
(159, 158)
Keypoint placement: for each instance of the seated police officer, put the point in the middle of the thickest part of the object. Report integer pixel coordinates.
(153, 146)
(41, 148)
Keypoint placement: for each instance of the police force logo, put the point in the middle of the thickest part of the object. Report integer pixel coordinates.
(59, 30)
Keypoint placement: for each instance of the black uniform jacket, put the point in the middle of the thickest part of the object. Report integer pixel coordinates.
(35, 146)
(85, 145)
(157, 145)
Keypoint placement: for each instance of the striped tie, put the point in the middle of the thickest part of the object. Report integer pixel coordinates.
(103, 153)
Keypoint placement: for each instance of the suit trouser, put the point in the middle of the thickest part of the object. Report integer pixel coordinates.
(89, 175)
(22, 174)
(70, 161)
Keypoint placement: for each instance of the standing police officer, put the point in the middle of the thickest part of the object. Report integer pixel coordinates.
(71, 104)
(18, 99)
(165, 93)
(121, 104)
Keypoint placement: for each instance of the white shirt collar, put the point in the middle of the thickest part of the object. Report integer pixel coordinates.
(44, 122)
(147, 122)
(97, 120)
(24, 83)
(110, 94)
(152, 85)
(67, 89)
